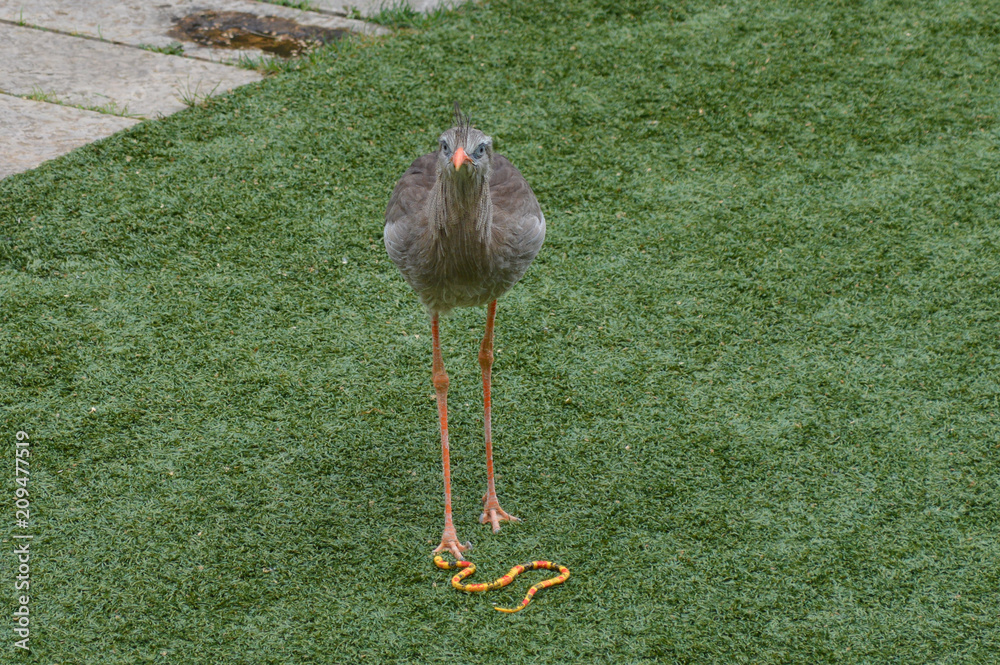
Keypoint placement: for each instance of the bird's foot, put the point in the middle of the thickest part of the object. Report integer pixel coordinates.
(449, 542)
(494, 514)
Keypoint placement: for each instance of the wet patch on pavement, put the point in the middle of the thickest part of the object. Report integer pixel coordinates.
(241, 30)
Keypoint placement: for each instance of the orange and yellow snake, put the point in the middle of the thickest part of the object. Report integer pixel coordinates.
(468, 569)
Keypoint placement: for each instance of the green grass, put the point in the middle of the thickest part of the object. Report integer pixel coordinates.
(398, 14)
(173, 48)
(748, 392)
(108, 108)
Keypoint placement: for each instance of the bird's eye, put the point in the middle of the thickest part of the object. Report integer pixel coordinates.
(444, 146)
(480, 151)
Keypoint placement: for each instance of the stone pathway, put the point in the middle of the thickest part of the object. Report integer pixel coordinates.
(73, 72)
(34, 132)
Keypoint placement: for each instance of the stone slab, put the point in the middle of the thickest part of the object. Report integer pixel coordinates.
(120, 79)
(139, 22)
(34, 132)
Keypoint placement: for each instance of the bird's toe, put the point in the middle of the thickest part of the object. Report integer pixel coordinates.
(495, 515)
(452, 545)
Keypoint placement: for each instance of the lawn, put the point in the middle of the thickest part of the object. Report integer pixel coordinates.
(748, 392)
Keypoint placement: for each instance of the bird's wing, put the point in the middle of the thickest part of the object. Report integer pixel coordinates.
(405, 216)
(518, 223)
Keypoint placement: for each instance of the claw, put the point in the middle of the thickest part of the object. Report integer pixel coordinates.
(450, 543)
(494, 514)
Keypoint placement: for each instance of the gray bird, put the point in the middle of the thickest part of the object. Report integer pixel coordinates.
(463, 226)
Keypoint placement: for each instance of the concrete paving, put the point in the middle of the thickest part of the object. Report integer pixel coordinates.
(117, 79)
(62, 60)
(34, 132)
(145, 23)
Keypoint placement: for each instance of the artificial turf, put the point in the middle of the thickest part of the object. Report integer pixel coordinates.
(748, 392)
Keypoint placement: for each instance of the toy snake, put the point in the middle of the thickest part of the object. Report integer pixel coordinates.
(468, 569)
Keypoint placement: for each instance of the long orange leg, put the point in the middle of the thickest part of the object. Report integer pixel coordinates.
(449, 539)
(492, 512)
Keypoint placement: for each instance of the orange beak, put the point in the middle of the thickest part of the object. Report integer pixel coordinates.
(460, 158)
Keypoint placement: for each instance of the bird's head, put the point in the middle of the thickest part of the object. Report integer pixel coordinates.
(464, 151)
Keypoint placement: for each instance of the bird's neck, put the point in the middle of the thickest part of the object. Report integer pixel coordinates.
(462, 205)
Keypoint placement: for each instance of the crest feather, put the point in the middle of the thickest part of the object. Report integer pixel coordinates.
(462, 122)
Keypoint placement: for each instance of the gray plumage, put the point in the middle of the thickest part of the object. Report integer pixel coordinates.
(462, 237)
